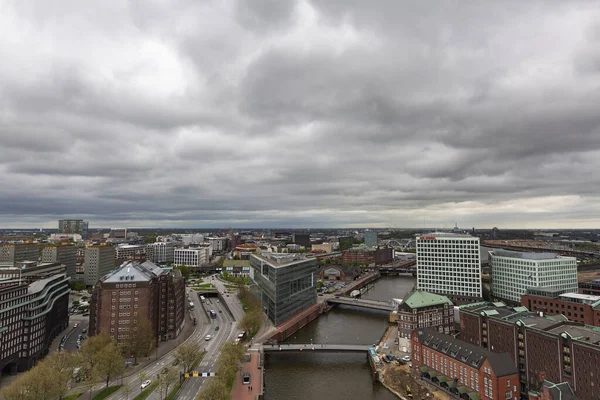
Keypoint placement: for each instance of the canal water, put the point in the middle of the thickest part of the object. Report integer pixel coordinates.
(335, 376)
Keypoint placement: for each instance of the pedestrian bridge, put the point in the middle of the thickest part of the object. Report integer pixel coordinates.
(293, 347)
(372, 304)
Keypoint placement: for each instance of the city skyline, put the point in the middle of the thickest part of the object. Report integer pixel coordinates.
(300, 114)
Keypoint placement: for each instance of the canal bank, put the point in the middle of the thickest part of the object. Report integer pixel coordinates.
(332, 376)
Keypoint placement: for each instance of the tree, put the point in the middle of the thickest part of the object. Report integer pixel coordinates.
(167, 379)
(142, 341)
(214, 390)
(19, 389)
(127, 391)
(185, 271)
(187, 354)
(61, 365)
(110, 362)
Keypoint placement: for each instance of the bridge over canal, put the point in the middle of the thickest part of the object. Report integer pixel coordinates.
(372, 304)
(292, 347)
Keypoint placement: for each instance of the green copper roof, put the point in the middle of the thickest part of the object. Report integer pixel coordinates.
(420, 298)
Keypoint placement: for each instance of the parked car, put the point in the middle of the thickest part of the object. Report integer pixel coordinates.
(406, 358)
(246, 379)
(145, 384)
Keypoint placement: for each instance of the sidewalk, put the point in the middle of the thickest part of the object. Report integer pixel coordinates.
(243, 392)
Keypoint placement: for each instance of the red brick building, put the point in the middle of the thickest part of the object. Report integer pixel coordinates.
(541, 347)
(584, 308)
(367, 255)
(136, 290)
(591, 287)
(465, 370)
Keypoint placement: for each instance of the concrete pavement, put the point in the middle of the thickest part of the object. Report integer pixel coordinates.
(253, 367)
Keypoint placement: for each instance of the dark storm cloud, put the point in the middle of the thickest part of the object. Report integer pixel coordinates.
(300, 113)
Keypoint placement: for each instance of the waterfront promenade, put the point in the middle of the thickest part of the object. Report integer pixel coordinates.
(241, 391)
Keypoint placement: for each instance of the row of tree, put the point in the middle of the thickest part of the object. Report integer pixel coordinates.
(253, 318)
(226, 368)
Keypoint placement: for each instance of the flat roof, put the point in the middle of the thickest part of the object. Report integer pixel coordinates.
(587, 297)
(448, 235)
(524, 255)
(585, 333)
(282, 259)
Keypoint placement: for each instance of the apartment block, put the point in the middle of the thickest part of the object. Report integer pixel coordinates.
(71, 226)
(31, 315)
(465, 370)
(193, 257)
(11, 253)
(133, 252)
(138, 290)
(161, 252)
(284, 283)
(449, 264)
(217, 244)
(65, 254)
(514, 272)
(99, 261)
(542, 348)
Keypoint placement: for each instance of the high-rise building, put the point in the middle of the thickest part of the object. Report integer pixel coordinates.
(371, 238)
(31, 315)
(541, 347)
(78, 226)
(193, 257)
(161, 252)
(99, 261)
(514, 272)
(65, 254)
(138, 290)
(303, 239)
(449, 264)
(285, 283)
(12, 253)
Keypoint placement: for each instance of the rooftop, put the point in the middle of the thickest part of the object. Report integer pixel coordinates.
(467, 353)
(560, 391)
(584, 298)
(39, 285)
(420, 298)
(236, 263)
(524, 255)
(448, 235)
(282, 259)
(134, 271)
(581, 333)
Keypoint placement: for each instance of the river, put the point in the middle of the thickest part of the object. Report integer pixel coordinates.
(335, 376)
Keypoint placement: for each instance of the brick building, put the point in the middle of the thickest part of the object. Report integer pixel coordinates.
(31, 315)
(366, 255)
(135, 290)
(584, 308)
(541, 347)
(591, 287)
(421, 309)
(467, 371)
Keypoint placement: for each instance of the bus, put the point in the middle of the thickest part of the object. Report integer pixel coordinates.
(191, 305)
(213, 314)
(202, 299)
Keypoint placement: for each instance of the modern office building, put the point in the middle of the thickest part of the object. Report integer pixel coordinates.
(161, 252)
(465, 370)
(577, 307)
(302, 239)
(285, 283)
(65, 254)
(421, 309)
(217, 244)
(371, 238)
(137, 290)
(31, 315)
(193, 257)
(15, 252)
(30, 271)
(133, 252)
(541, 347)
(71, 226)
(449, 264)
(99, 261)
(513, 272)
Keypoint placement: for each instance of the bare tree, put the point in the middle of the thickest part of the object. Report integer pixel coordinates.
(188, 354)
(167, 379)
(143, 340)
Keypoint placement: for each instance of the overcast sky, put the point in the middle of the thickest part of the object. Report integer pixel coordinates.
(276, 113)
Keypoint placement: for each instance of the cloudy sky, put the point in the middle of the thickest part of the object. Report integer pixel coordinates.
(309, 113)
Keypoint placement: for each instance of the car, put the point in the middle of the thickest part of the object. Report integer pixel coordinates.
(246, 379)
(76, 325)
(217, 300)
(217, 328)
(145, 384)
(406, 358)
(220, 311)
(84, 330)
(207, 337)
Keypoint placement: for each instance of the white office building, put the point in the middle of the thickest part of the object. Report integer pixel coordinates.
(194, 257)
(161, 252)
(513, 272)
(130, 251)
(449, 264)
(217, 243)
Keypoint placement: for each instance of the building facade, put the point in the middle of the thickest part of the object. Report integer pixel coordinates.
(284, 283)
(421, 309)
(513, 272)
(193, 257)
(99, 261)
(65, 254)
(449, 264)
(217, 244)
(542, 347)
(12, 253)
(590, 287)
(302, 239)
(371, 238)
(584, 308)
(161, 252)
(325, 247)
(134, 291)
(78, 226)
(367, 255)
(30, 271)
(467, 371)
(31, 315)
(133, 252)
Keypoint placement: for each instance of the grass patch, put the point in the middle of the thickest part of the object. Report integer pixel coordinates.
(234, 287)
(173, 393)
(106, 392)
(73, 396)
(146, 392)
(205, 286)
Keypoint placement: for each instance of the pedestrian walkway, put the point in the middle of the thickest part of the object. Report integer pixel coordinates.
(241, 391)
